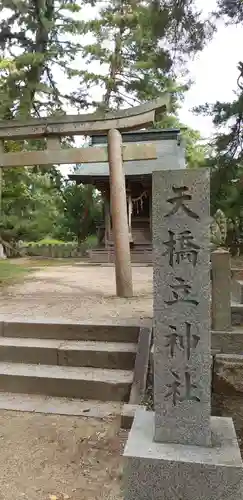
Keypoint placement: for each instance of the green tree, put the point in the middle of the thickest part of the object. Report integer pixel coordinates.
(36, 42)
(141, 43)
(30, 205)
(128, 48)
(82, 210)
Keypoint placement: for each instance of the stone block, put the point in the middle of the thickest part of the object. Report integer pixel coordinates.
(228, 374)
(182, 366)
(228, 342)
(236, 314)
(237, 291)
(221, 290)
(155, 471)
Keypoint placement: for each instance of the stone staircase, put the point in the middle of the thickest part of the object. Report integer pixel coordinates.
(85, 362)
(141, 254)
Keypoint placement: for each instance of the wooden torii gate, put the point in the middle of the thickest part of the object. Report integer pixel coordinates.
(53, 128)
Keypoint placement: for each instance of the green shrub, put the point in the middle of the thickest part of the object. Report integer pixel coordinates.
(90, 242)
(47, 241)
(49, 247)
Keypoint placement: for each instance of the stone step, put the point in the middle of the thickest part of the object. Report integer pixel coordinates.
(236, 313)
(70, 331)
(39, 403)
(66, 406)
(66, 381)
(237, 291)
(137, 256)
(111, 355)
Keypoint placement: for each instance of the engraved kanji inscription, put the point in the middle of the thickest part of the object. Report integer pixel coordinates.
(181, 247)
(186, 342)
(175, 339)
(181, 196)
(181, 293)
(189, 387)
(175, 388)
(191, 340)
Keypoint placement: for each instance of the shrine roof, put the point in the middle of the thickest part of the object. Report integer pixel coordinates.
(169, 146)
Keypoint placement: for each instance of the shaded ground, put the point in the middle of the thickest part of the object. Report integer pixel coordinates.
(50, 457)
(47, 457)
(76, 293)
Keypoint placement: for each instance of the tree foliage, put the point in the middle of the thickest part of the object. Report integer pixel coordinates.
(82, 211)
(231, 9)
(138, 48)
(38, 42)
(226, 159)
(30, 205)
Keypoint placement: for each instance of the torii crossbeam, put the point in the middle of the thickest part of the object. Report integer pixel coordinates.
(85, 124)
(53, 128)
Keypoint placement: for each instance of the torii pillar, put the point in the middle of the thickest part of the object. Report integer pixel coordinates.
(119, 216)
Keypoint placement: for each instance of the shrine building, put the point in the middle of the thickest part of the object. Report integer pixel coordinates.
(138, 175)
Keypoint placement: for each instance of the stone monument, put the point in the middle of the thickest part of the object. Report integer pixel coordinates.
(180, 452)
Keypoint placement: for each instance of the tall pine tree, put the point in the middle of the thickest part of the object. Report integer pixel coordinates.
(137, 48)
(38, 38)
(38, 44)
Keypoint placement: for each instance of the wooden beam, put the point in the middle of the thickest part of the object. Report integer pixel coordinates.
(86, 124)
(76, 155)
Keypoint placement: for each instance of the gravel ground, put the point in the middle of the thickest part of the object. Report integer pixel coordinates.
(77, 293)
(47, 457)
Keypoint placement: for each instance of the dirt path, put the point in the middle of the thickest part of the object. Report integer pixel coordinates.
(77, 293)
(47, 457)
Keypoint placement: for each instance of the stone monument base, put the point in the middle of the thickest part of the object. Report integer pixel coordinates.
(164, 471)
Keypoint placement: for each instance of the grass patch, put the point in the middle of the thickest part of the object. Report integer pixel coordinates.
(11, 273)
(29, 262)
(42, 262)
(14, 270)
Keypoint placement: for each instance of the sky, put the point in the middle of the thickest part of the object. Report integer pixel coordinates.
(214, 72)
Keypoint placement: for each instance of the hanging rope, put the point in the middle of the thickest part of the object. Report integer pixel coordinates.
(138, 202)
